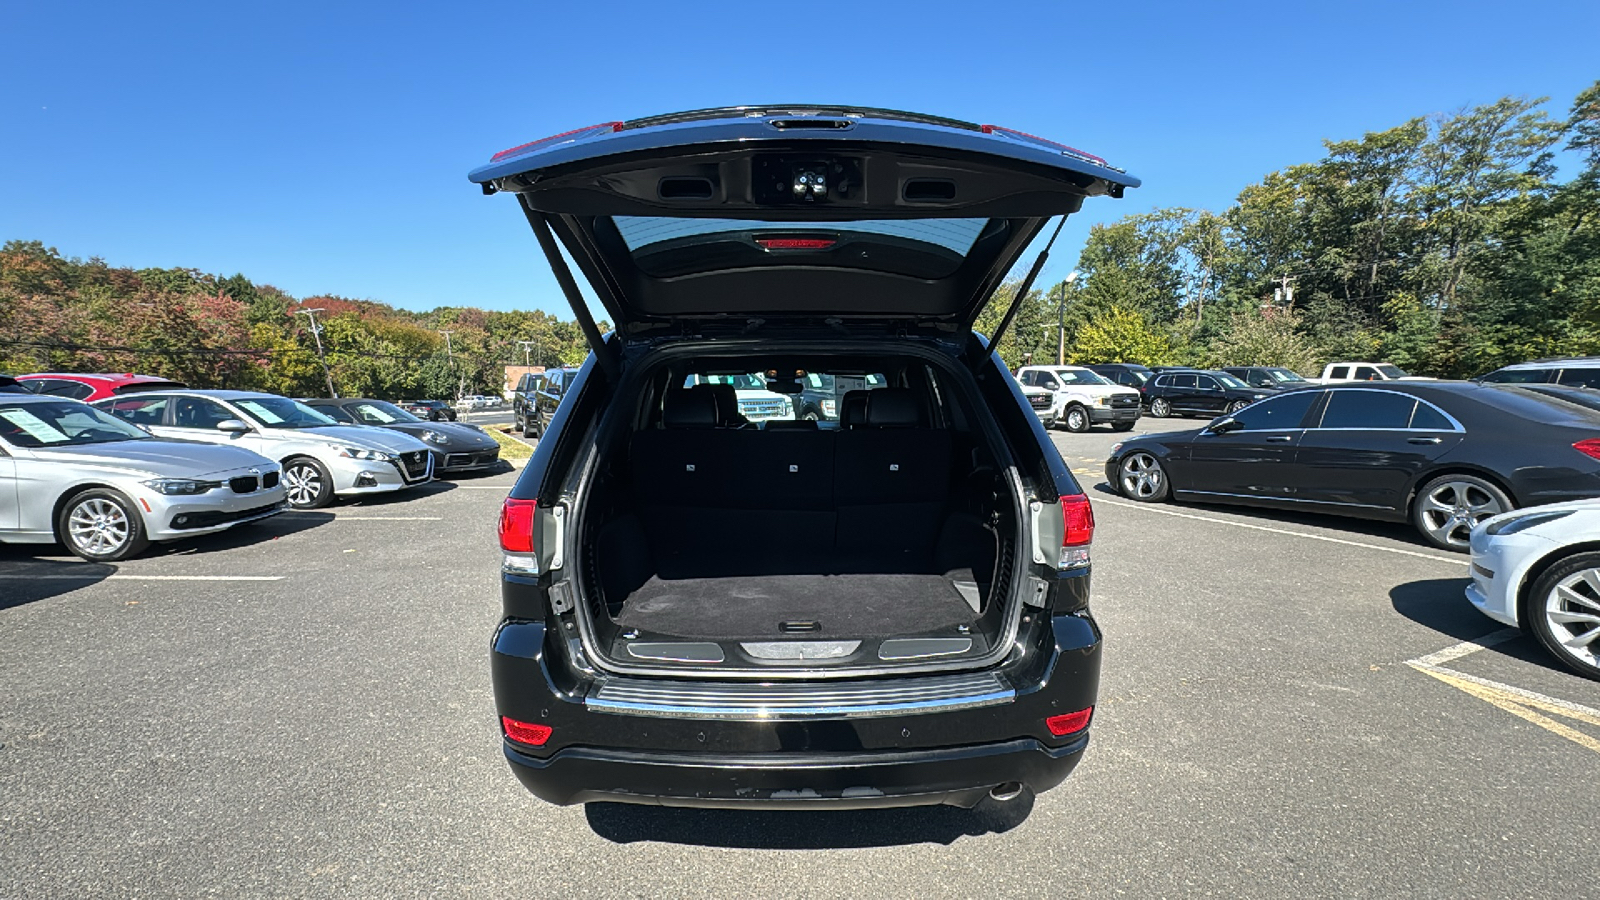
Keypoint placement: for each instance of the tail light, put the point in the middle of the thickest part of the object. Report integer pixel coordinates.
(516, 535)
(530, 733)
(1077, 531)
(1589, 448)
(1069, 723)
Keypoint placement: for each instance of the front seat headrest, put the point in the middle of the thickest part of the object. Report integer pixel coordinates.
(689, 409)
(892, 408)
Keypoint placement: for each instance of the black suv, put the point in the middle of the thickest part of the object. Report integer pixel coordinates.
(703, 609)
(538, 394)
(1197, 392)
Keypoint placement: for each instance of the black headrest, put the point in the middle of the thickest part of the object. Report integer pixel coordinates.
(689, 409)
(853, 409)
(727, 404)
(892, 408)
(790, 425)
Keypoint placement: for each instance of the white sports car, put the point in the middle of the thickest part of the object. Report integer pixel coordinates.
(1539, 569)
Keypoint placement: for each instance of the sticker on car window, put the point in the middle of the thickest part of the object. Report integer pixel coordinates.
(37, 428)
(261, 412)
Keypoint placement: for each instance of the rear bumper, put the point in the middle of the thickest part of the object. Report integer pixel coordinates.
(959, 776)
(852, 755)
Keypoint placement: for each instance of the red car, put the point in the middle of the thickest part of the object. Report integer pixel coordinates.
(89, 388)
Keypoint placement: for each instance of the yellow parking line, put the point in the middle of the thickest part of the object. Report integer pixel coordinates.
(1517, 701)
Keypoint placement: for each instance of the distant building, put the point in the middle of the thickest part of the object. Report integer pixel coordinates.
(514, 374)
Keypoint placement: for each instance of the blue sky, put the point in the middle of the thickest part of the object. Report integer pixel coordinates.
(324, 147)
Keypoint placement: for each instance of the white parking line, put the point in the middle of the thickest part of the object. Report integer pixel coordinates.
(484, 487)
(92, 577)
(1456, 651)
(348, 518)
(1455, 561)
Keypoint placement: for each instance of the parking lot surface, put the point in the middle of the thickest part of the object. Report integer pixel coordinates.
(1290, 705)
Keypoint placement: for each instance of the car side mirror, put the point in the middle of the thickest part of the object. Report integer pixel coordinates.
(1224, 425)
(233, 426)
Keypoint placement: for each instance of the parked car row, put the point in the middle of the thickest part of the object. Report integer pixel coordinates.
(138, 459)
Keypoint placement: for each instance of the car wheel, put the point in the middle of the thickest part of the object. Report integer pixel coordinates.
(538, 427)
(1122, 426)
(1237, 405)
(1160, 408)
(1447, 507)
(1141, 477)
(307, 483)
(101, 526)
(1077, 419)
(811, 416)
(525, 427)
(1563, 610)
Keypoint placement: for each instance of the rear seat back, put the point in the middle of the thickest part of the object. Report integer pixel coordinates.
(891, 476)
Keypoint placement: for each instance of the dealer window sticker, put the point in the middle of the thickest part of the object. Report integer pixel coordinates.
(37, 428)
(261, 412)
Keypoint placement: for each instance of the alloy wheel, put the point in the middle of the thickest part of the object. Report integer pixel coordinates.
(1572, 612)
(303, 484)
(98, 527)
(1451, 508)
(1160, 408)
(1237, 405)
(1142, 478)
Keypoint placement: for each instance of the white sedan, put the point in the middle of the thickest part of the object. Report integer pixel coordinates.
(1539, 569)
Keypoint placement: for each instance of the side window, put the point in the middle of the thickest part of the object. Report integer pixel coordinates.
(1278, 412)
(552, 383)
(139, 410)
(336, 413)
(1339, 372)
(1368, 409)
(1528, 376)
(1027, 378)
(1366, 373)
(1164, 381)
(57, 387)
(1048, 381)
(1428, 418)
(1589, 378)
(198, 412)
(1182, 381)
(1259, 378)
(1207, 383)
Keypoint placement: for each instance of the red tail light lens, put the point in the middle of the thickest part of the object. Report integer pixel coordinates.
(528, 733)
(1589, 448)
(796, 243)
(1071, 723)
(516, 525)
(1078, 516)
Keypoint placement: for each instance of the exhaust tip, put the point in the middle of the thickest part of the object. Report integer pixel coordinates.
(1010, 790)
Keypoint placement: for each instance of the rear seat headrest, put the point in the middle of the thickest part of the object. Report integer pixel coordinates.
(727, 404)
(892, 408)
(690, 408)
(853, 409)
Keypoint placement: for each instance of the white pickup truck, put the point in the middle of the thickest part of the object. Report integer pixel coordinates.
(1083, 398)
(1333, 373)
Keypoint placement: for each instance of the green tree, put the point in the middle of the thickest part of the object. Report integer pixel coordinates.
(1121, 335)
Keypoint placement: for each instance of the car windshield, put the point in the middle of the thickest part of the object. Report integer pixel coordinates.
(64, 423)
(1229, 381)
(1392, 371)
(1284, 376)
(1079, 376)
(281, 412)
(378, 412)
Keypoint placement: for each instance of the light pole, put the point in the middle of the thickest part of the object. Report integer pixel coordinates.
(316, 332)
(450, 358)
(1061, 319)
(527, 349)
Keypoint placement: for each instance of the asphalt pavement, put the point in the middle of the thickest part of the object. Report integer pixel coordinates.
(303, 708)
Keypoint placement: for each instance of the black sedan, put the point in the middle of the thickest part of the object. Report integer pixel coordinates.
(456, 448)
(432, 410)
(1444, 455)
(1196, 392)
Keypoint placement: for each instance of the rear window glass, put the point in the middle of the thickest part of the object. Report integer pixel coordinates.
(924, 248)
(1368, 409)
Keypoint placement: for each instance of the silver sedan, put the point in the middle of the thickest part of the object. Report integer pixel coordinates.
(106, 489)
